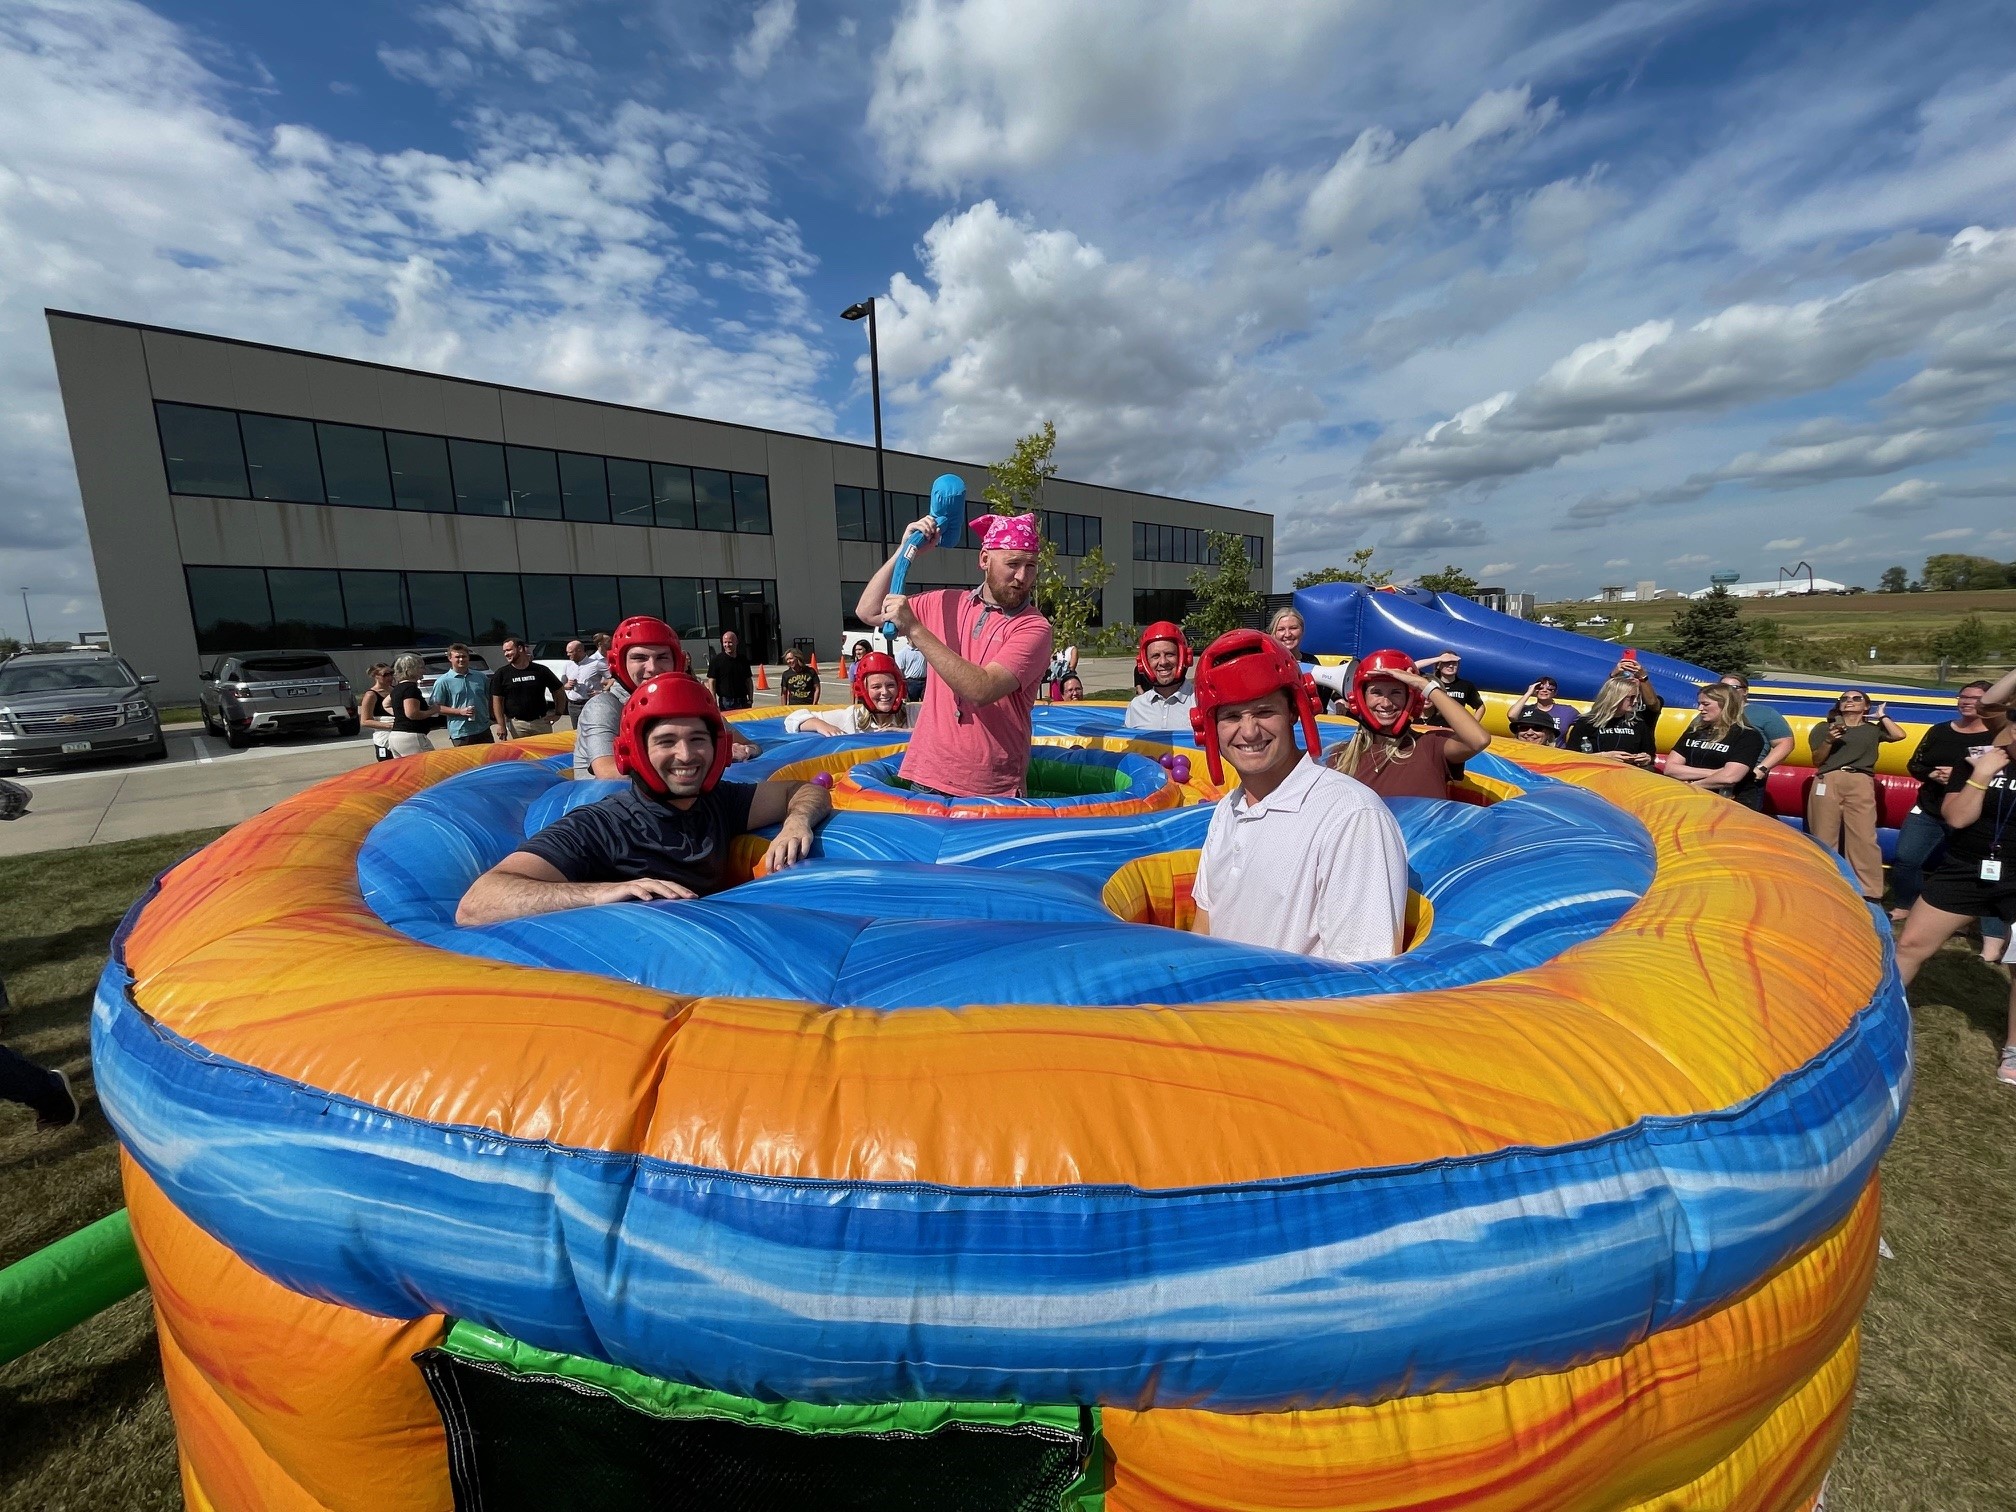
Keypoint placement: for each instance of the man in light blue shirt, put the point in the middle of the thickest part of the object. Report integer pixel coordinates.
(463, 697)
(910, 662)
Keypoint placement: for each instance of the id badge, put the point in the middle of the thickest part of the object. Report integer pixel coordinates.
(1991, 870)
(1819, 790)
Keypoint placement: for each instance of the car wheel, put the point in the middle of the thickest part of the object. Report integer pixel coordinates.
(157, 751)
(348, 727)
(236, 739)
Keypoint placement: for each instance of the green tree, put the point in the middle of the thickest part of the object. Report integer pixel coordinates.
(1710, 633)
(1070, 600)
(1015, 486)
(1895, 580)
(1451, 579)
(8, 646)
(1964, 645)
(1222, 596)
(1360, 571)
(1954, 571)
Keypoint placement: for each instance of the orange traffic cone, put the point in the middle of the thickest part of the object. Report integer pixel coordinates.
(815, 661)
(762, 678)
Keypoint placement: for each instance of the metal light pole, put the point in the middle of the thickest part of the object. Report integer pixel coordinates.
(855, 312)
(28, 615)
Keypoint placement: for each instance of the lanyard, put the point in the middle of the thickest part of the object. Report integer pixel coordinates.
(2005, 807)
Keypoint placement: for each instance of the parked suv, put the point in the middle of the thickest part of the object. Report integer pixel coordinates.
(264, 692)
(63, 706)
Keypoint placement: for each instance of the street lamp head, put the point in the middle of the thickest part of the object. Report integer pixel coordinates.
(857, 311)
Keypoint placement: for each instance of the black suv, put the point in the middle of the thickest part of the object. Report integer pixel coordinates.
(266, 692)
(63, 706)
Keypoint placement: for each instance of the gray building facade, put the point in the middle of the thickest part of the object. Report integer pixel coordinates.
(241, 496)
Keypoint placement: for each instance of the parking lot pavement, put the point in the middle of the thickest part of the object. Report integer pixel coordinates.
(202, 783)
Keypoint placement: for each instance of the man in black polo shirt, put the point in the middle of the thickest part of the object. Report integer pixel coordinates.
(520, 691)
(668, 835)
(729, 672)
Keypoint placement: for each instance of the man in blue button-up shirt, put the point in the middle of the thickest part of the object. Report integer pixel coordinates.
(463, 697)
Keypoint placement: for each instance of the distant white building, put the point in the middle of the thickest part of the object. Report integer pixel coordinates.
(1786, 588)
(1519, 605)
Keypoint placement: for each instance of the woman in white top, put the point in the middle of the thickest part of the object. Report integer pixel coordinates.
(878, 703)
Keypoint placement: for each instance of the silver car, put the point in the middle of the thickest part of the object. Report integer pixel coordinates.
(58, 707)
(268, 692)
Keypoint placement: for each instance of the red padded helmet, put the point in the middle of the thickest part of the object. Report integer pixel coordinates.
(1369, 667)
(874, 661)
(643, 630)
(1241, 665)
(670, 695)
(1163, 630)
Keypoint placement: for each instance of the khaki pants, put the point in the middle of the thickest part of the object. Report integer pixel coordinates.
(518, 729)
(1844, 819)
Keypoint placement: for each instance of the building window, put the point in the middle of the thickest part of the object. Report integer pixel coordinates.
(202, 450)
(713, 500)
(496, 607)
(230, 608)
(1152, 604)
(1177, 543)
(354, 469)
(481, 485)
(535, 482)
(374, 607)
(420, 478)
(1075, 534)
(860, 516)
(629, 491)
(440, 606)
(584, 489)
(672, 496)
(307, 607)
(752, 503)
(281, 459)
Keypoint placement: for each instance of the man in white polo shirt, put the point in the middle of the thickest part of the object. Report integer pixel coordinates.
(1298, 857)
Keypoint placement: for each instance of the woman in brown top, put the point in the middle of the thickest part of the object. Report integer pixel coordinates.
(1841, 810)
(1390, 754)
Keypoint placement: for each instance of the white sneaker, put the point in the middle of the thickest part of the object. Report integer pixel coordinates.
(2006, 1072)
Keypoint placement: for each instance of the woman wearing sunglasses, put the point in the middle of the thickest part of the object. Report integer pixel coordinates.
(1841, 810)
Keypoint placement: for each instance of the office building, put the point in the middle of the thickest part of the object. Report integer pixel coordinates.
(241, 496)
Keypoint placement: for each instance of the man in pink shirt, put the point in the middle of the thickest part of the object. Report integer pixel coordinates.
(987, 648)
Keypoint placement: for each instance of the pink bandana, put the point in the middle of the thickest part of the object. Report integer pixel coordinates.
(1006, 532)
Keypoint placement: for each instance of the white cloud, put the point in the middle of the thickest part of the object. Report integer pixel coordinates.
(1858, 456)
(524, 35)
(1691, 560)
(1598, 509)
(1916, 494)
(1492, 569)
(1618, 562)
(769, 29)
(1434, 533)
(1614, 389)
(1787, 543)
(969, 88)
(1959, 533)
(550, 255)
(1148, 376)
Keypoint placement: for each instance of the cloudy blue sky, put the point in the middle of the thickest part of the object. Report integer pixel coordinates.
(1565, 293)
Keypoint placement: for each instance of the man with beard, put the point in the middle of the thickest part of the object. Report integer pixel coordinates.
(667, 835)
(988, 648)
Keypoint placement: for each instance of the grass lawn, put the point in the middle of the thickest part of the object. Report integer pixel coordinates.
(84, 1425)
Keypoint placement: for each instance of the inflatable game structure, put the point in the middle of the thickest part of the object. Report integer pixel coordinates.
(951, 1170)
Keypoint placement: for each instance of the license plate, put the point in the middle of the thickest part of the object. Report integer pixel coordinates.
(75, 747)
(294, 692)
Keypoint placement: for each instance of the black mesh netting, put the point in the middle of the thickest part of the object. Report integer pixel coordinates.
(536, 1443)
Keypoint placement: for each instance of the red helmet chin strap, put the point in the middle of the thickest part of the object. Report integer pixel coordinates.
(1238, 667)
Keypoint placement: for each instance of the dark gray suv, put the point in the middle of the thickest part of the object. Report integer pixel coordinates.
(58, 707)
(267, 692)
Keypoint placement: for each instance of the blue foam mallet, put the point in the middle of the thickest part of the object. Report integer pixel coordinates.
(948, 508)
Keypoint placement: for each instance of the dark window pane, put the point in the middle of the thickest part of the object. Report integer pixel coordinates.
(752, 503)
(1077, 535)
(641, 595)
(535, 482)
(230, 608)
(597, 604)
(584, 493)
(307, 607)
(713, 504)
(420, 472)
(495, 607)
(672, 496)
(375, 604)
(1140, 542)
(280, 456)
(682, 608)
(629, 492)
(549, 607)
(847, 512)
(1254, 546)
(440, 607)
(480, 484)
(202, 451)
(353, 465)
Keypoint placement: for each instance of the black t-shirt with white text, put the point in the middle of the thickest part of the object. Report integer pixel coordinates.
(635, 834)
(1997, 823)
(1459, 688)
(1942, 745)
(1700, 747)
(1635, 733)
(524, 690)
(801, 686)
